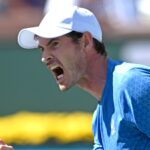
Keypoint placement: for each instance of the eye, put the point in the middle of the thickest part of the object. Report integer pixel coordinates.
(54, 44)
(41, 48)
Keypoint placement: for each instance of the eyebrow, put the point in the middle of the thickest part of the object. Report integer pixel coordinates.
(50, 41)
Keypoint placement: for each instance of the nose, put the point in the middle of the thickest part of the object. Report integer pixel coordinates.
(46, 58)
(43, 60)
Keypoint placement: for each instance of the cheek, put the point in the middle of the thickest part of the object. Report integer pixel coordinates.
(77, 66)
(67, 56)
(72, 58)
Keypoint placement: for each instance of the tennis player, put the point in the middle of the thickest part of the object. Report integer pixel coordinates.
(73, 50)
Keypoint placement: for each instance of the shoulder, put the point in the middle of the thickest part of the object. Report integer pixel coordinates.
(132, 74)
(135, 90)
(135, 83)
(139, 91)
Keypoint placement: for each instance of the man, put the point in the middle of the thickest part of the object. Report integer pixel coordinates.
(72, 49)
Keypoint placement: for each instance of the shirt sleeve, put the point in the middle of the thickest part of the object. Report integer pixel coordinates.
(139, 91)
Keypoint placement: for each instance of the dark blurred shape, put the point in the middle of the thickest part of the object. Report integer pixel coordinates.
(36, 3)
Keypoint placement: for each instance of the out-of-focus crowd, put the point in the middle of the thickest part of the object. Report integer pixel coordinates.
(16, 14)
(119, 18)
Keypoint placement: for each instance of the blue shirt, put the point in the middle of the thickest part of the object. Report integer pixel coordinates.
(121, 120)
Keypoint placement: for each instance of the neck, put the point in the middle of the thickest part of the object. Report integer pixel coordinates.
(94, 80)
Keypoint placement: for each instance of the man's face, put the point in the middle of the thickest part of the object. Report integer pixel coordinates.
(65, 59)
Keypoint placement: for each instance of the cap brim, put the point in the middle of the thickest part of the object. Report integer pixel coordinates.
(26, 36)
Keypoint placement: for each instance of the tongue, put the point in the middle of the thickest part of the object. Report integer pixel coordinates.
(60, 76)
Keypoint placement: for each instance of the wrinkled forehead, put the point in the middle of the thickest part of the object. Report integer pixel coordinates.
(42, 42)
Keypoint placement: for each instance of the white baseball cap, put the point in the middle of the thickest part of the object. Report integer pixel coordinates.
(54, 25)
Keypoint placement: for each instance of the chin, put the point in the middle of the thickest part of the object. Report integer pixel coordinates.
(63, 88)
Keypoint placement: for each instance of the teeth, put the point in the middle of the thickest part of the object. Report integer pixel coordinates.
(53, 67)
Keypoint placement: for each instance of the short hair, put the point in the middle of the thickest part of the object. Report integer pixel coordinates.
(99, 46)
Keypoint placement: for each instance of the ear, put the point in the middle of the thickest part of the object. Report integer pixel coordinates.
(87, 40)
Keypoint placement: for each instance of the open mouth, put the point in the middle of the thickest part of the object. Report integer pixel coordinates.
(58, 72)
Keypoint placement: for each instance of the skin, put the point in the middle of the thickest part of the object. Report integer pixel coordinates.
(81, 64)
(4, 146)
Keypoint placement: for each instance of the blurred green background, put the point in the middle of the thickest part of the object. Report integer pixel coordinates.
(25, 82)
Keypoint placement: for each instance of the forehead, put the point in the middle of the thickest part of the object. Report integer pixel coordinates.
(42, 40)
(45, 41)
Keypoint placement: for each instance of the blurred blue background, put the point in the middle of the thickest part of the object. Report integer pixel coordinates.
(26, 84)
